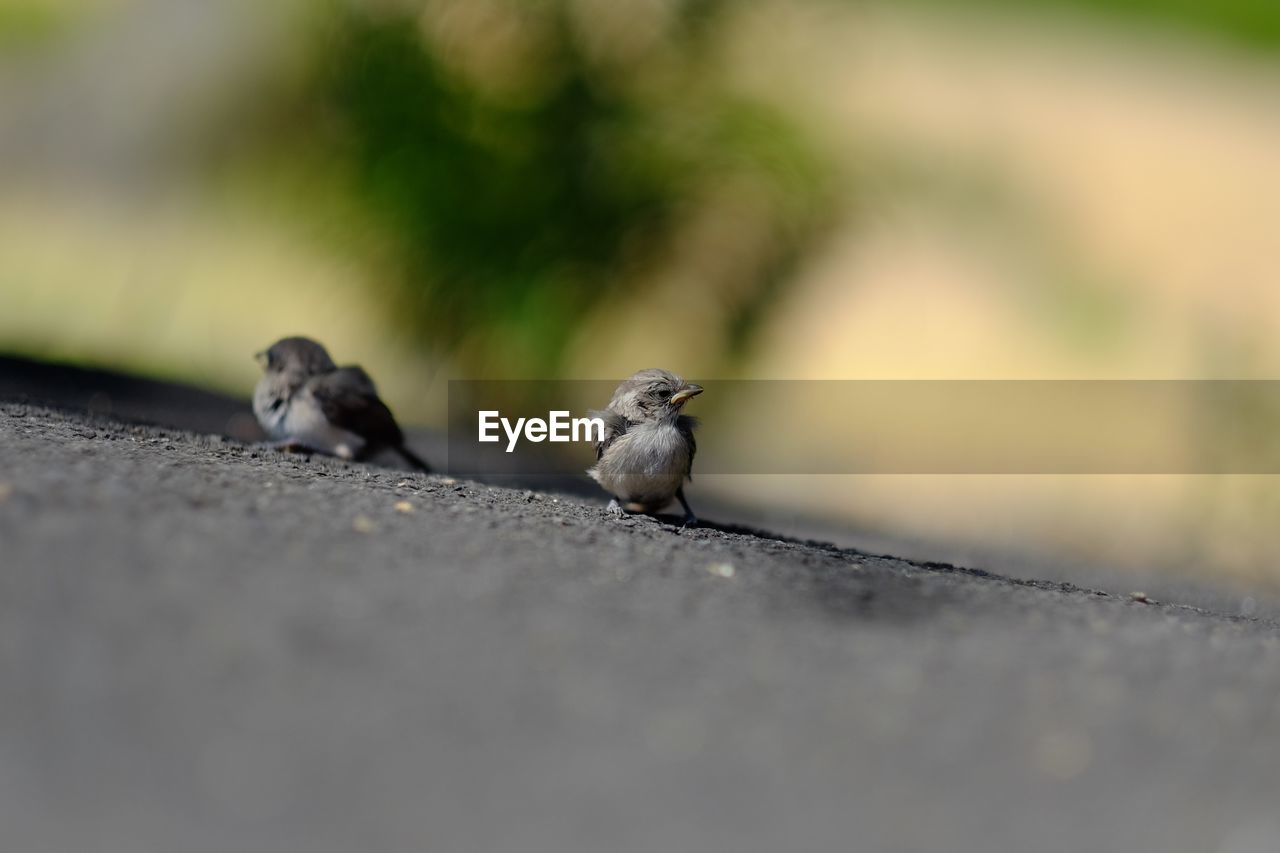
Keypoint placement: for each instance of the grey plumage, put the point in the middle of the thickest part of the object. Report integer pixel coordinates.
(305, 400)
(648, 446)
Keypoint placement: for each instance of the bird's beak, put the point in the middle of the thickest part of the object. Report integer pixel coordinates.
(261, 358)
(685, 394)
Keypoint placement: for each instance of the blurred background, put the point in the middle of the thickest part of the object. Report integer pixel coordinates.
(518, 189)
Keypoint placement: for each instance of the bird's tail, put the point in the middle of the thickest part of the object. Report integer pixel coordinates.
(413, 459)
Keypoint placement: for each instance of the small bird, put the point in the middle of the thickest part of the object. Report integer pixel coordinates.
(648, 447)
(305, 401)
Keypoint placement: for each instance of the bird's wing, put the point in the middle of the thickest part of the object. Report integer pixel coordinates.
(349, 400)
(686, 424)
(615, 426)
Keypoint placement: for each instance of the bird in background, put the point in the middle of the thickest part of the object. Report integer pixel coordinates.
(648, 447)
(305, 401)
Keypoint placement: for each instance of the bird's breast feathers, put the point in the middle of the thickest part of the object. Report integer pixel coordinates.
(271, 407)
(299, 417)
(646, 465)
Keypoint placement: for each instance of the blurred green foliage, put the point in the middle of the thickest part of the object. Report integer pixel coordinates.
(26, 25)
(1251, 23)
(527, 160)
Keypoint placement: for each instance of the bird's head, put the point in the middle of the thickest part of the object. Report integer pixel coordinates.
(653, 394)
(297, 356)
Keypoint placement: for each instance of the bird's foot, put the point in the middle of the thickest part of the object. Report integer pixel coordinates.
(289, 445)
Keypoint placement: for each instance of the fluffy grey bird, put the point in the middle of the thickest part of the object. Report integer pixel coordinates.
(306, 401)
(648, 447)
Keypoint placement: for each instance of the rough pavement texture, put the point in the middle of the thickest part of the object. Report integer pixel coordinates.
(208, 646)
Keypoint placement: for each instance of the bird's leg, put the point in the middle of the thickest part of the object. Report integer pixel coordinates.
(690, 520)
(615, 509)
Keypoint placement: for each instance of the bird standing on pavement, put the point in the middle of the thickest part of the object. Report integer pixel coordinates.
(648, 447)
(305, 401)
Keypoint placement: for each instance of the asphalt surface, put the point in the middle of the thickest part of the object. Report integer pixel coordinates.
(209, 646)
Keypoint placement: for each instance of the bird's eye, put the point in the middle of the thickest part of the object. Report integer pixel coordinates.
(664, 393)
